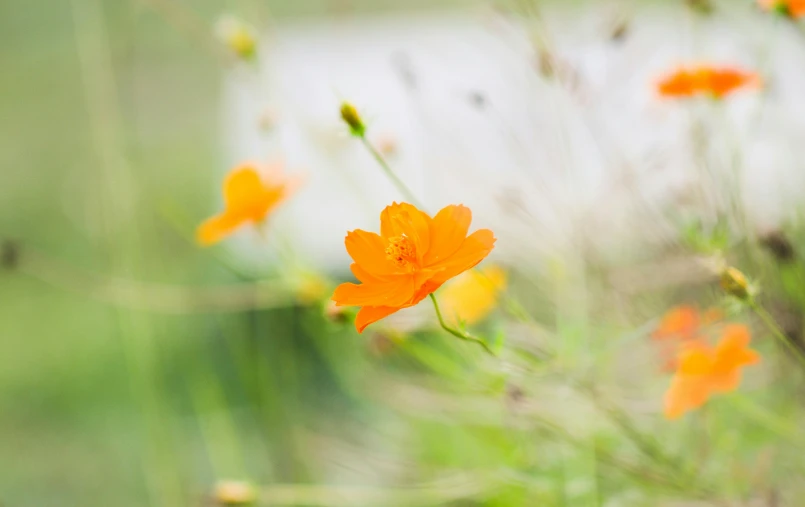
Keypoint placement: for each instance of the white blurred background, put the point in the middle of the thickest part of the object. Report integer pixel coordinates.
(548, 127)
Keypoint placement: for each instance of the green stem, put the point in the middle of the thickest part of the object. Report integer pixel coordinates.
(404, 190)
(776, 331)
(645, 444)
(455, 332)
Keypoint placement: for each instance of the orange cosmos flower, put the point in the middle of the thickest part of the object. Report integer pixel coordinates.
(704, 371)
(678, 326)
(705, 80)
(412, 256)
(793, 8)
(680, 322)
(247, 199)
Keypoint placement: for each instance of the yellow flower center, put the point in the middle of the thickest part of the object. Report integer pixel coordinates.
(401, 251)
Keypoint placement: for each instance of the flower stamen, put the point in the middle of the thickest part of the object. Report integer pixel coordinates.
(401, 251)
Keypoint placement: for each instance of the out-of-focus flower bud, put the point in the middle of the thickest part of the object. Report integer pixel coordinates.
(620, 31)
(547, 64)
(382, 343)
(786, 8)
(701, 6)
(351, 117)
(267, 119)
(734, 283)
(386, 145)
(337, 314)
(779, 245)
(238, 36)
(232, 493)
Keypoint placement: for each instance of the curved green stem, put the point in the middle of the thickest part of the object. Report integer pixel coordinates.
(455, 332)
(404, 190)
(778, 333)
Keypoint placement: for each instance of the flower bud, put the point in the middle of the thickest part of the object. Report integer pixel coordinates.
(778, 244)
(734, 283)
(238, 37)
(231, 493)
(351, 117)
(337, 314)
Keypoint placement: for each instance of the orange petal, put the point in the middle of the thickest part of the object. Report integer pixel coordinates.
(472, 251)
(242, 186)
(695, 359)
(680, 322)
(425, 290)
(679, 84)
(735, 336)
(725, 81)
(733, 351)
(406, 219)
(364, 276)
(796, 8)
(369, 251)
(726, 382)
(396, 292)
(684, 394)
(217, 228)
(711, 316)
(447, 233)
(371, 314)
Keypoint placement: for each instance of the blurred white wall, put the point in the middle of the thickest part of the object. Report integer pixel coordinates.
(592, 156)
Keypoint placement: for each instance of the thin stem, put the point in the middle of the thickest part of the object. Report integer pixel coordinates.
(645, 444)
(404, 190)
(637, 470)
(153, 297)
(776, 331)
(455, 332)
(190, 26)
(182, 226)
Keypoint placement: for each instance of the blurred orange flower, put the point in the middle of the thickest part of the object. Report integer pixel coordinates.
(793, 8)
(678, 326)
(412, 256)
(706, 80)
(704, 371)
(247, 199)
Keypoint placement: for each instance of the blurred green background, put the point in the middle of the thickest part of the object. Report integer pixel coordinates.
(110, 121)
(123, 383)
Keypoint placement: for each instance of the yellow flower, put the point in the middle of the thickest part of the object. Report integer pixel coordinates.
(471, 296)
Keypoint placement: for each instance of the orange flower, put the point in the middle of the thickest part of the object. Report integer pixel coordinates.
(247, 199)
(412, 256)
(680, 322)
(793, 8)
(705, 371)
(681, 83)
(678, 326)
(705, 80)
